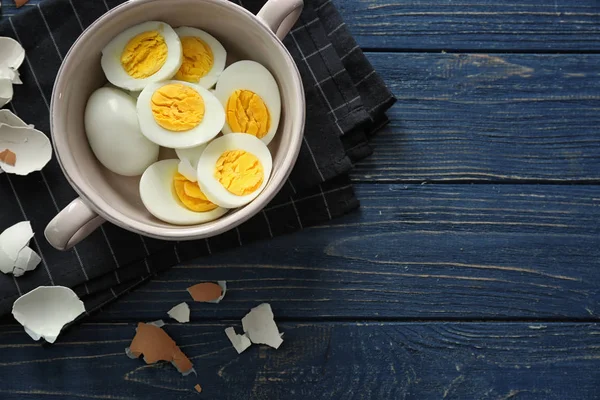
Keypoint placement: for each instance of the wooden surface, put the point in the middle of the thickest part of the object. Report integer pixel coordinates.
(472, 270)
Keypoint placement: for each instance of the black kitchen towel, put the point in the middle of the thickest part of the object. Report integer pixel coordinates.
(346, 101)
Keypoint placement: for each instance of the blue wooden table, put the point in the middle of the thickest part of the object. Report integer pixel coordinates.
(472, 270)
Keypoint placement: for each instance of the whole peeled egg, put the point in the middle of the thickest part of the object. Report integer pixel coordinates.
(113, 132)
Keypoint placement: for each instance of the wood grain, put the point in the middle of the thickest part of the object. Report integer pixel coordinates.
(500, 118)
(316, 361)
(433, 25)
(414, 251)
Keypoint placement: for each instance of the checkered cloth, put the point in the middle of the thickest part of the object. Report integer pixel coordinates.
(346, 102)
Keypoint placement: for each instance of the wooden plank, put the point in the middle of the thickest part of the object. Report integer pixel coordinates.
(476, 117)
(413, 251)
(535, 25)
(477, 25)
(317, 361)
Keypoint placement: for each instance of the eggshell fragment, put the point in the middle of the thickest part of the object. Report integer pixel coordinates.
(180, 313)
(156, 345)
(31, 147)
(259, 325)
(6, 91)
(12, 241)
(44, 311)
(12, 55)
(198, 388)
(239, 342)
(208, 292)
(20, 3)
(27, 260)
(7, 117)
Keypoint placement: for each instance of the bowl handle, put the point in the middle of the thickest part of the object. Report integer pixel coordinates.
(280, 15)
(73, 224)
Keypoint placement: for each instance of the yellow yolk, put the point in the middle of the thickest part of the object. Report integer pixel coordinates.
(198, 59)
(190, 195)
(144, 55)
(240, 172)
(177, 107)
(247, 113)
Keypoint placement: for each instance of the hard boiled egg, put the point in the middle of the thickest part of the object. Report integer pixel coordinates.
(251, 99)
(234, 169)
(179, 114)
(172, 198)
(145, 53)
(112, 129)
(203, 57)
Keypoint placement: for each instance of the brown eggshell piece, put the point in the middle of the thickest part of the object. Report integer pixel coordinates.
(20, 3)
(198, 388)
(156, 345)
(204, 292)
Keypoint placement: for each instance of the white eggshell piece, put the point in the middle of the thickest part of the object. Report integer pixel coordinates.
(159, 197)
(6, 91)
(46, 310)
(14, 238)
(239, 342)
(209, 127)
(114, 134)
(32, 148)
(260, 327)
(219, 54)
(12, 53)
(250, 75)
(27, 260)
(111, 56)
(180, 313)
(8, 118)
(211, 187)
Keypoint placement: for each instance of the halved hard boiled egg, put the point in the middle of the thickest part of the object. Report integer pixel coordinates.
(250, 96)
(234, 169)
(145, 53)
(203, 57)
(179, 114)
(170, 197)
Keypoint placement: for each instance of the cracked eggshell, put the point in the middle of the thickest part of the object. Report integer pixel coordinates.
(239, 342)
(8, 118)
(180, 313)
(259, 325)
(6, 91)
(27, 260)
(12, 53)
(12, 241)
(32, 147)
(44, 311)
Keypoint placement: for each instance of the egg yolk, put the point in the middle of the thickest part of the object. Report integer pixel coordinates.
(198, 59)
(190, 195)
(247, 113)
(144, 54)
(177, 107)
(240, 172)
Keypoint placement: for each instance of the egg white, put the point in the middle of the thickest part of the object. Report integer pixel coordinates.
(113, 132)
(209, 127)
(111, 56)
(211, 187)
(189, 161)
(219, 54)
(252, 76)
(159, 197)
